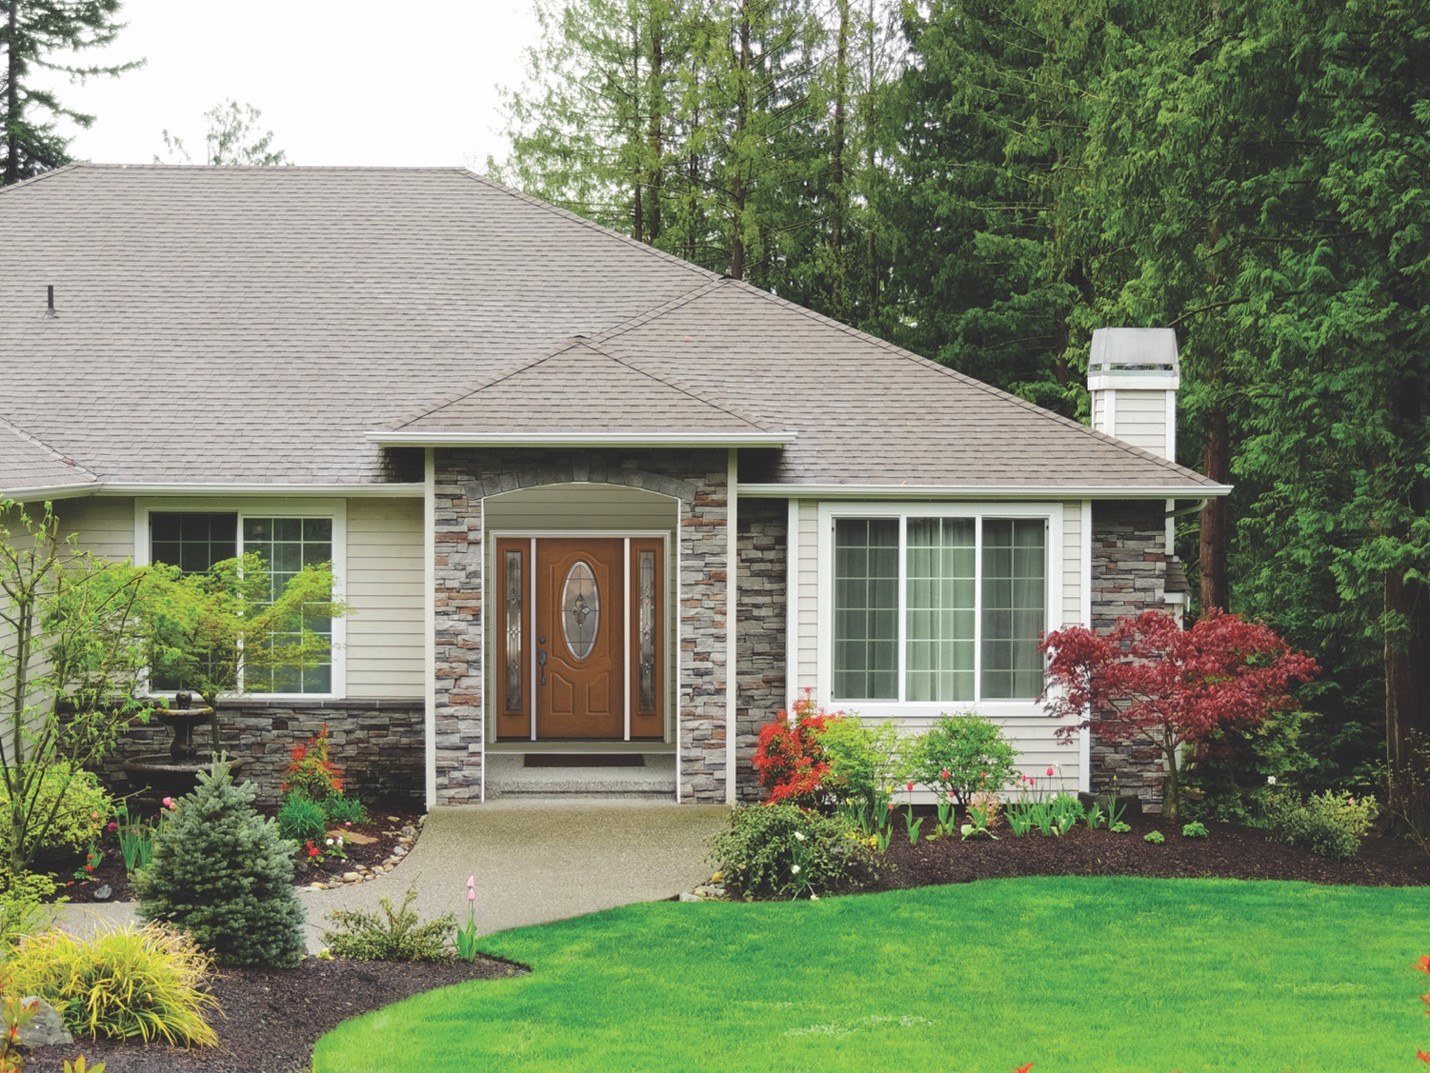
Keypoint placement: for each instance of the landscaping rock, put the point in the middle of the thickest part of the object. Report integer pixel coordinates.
(351, 877)
(103, 892)
(45, 1029)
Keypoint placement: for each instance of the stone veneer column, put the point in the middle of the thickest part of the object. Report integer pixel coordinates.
(696, 478)
(1129, 575)
(760, 630)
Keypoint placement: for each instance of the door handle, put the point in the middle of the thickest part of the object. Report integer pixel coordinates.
(541, 663)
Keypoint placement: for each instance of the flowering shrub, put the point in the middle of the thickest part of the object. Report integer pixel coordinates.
(1329, 824)
(788, 757)
(1424, 966)
(780, 850)
(311, 771)
(964, 755)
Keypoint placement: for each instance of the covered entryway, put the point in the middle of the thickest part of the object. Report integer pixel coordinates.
(580, 636)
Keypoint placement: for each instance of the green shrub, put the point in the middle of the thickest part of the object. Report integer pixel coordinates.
(78, 802)
(391, 935)
(1195, 829)
(23, 905)
(864, 760)
(1330, 824)
(773, 850)
(127, 983)
(963, 755)
(1154, 837)
(301, 819)
(340, 809)
(225, 875)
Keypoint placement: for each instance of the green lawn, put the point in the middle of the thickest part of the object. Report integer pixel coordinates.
(1075, 975)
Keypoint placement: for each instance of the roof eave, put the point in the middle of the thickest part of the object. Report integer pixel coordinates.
(752, 438)
(982, 491)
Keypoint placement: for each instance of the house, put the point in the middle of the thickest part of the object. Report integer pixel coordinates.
(583, 498)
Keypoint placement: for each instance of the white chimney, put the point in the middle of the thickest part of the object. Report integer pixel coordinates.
(1133, 376)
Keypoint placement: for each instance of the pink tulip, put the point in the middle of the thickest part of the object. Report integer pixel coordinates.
(168, 802)
(471, 888)
(1050, 773)
(909, 787)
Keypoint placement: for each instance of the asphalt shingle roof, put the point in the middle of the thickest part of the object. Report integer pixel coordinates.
(253, 326)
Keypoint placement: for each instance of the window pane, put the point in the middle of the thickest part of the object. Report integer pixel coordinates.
(866, 607)
(193, 542)
(286, 545)
(1014, 607)
(939, 594)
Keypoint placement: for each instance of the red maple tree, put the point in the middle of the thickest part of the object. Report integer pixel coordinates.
(1149, 680)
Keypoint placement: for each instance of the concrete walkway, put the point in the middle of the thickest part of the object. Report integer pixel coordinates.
(535, 861)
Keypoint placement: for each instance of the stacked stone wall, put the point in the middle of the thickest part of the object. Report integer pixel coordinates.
(762, 580)
(377, 743)
(1129, 575)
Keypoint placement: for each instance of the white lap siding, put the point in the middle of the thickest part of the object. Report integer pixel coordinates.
(1032, 732)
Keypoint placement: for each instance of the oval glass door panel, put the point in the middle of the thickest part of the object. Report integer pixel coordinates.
(580, 610)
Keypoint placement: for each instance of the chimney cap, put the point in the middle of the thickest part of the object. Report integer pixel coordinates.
(1134, 351)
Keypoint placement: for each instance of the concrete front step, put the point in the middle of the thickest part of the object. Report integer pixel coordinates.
(508, 777)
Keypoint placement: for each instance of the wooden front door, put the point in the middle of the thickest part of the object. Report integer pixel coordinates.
(580, 619)
(579, 638)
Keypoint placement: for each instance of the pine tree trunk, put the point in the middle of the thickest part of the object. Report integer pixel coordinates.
(739, 191)
(656, 134)
(12, 96)
(1407, 649)
(1211, 556)
(838, 270)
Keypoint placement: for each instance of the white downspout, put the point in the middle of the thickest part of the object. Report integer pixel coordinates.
(732, 551)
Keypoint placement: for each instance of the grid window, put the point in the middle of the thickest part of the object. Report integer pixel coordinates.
(866, 608)
(286, 545)
(194, 542)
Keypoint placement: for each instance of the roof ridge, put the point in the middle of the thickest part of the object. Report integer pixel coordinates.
(724, 406)
(567, 214)
(34, 440)
(454, 397)
(974, 382)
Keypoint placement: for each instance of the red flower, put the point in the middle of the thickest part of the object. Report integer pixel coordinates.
(1424, 964)
(909, 787)
(88, 867)
(1023, 1069)
(111, 826)
(1050, 773)
(1422, 1056)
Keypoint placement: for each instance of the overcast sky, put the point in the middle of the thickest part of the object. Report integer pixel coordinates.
(338, 81)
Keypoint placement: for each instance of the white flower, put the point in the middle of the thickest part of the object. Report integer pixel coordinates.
(330, 841)
(1270, 780)
(794, 869)
(814, 897)
(799, 835)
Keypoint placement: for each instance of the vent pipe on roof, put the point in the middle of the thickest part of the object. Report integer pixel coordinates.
(50, 308)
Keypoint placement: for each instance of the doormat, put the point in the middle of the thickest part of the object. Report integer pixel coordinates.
(584, 760)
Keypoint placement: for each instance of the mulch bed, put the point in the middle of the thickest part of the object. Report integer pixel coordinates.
(272, 1018)
(1230, 852)
(386, 821)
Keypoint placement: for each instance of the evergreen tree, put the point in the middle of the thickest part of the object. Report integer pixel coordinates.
(222, 873)
(33, 35)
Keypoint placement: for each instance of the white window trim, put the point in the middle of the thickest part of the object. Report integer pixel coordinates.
(335, 510)
(1051, 513)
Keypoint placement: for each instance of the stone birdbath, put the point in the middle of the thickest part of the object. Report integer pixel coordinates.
(176, 773)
